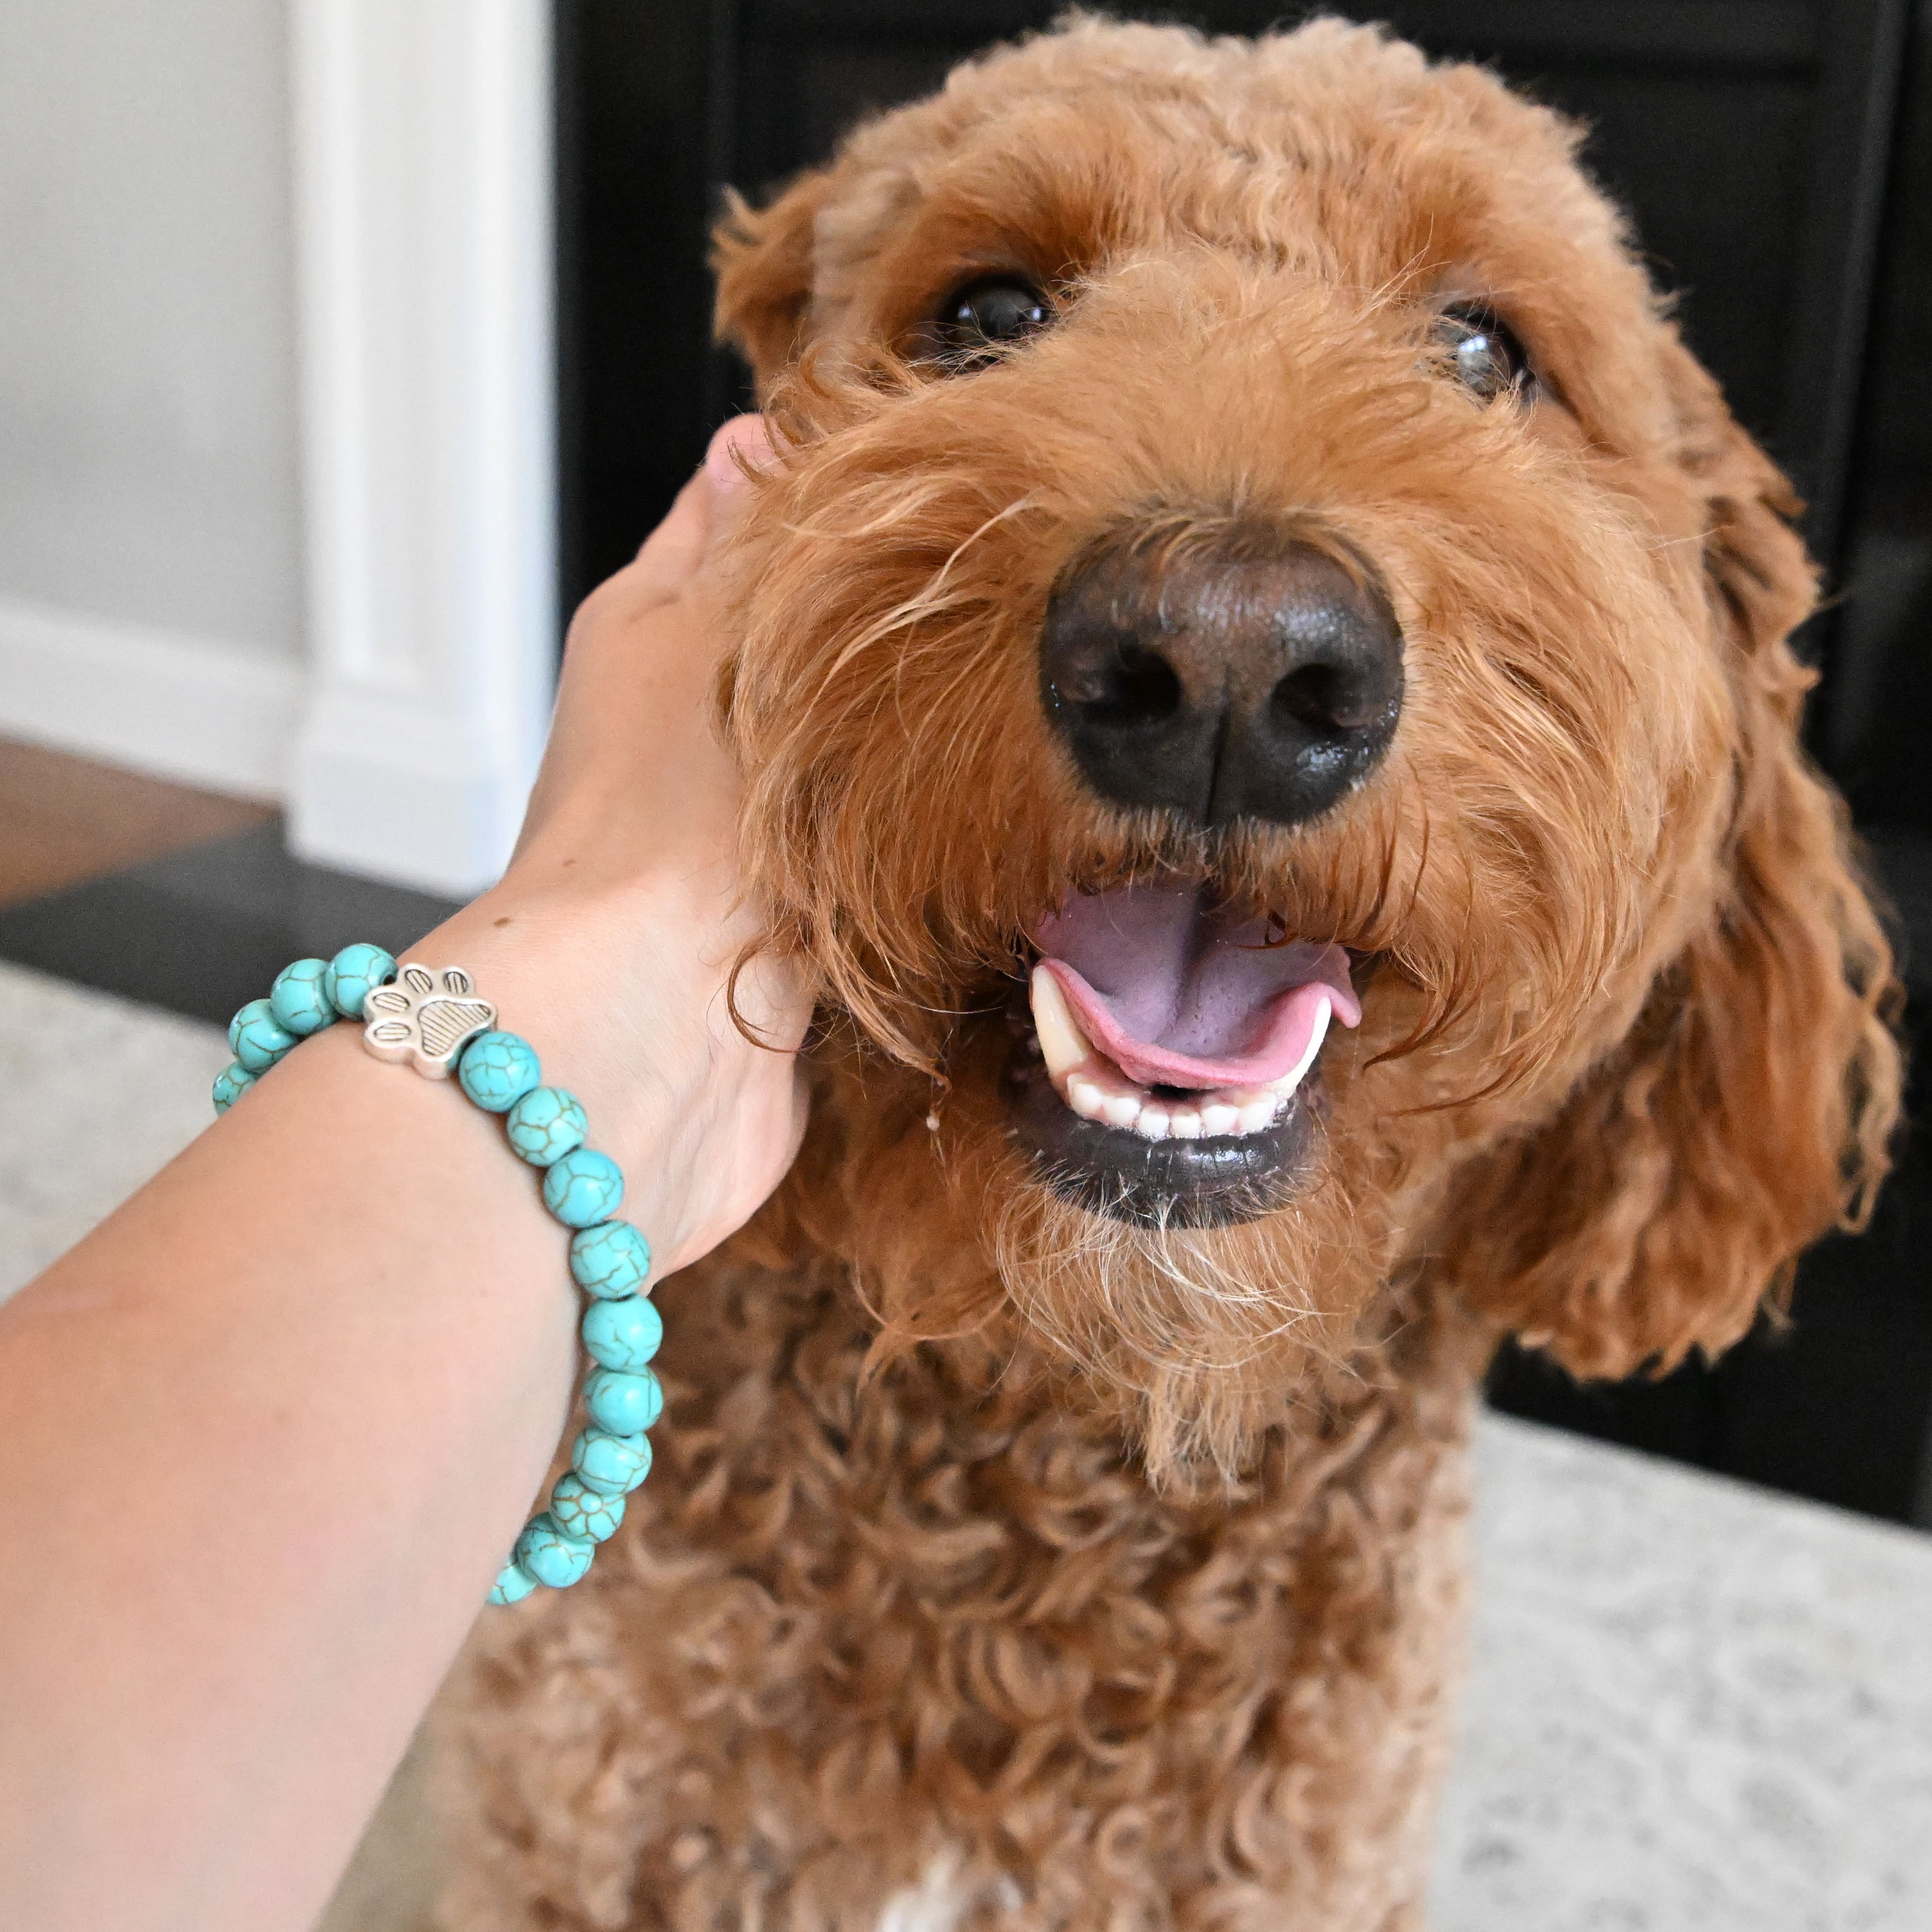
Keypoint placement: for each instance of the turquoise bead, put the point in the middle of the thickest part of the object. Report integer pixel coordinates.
(298, 999)
(550, 1555)
(257, 1041)
(230, 1083)
(512, 1585)
(609, 1260)
(622, 1334)
(613, 1465)
(584, 1188)
(349, 975)
(620, 1403)
(497, 1069)
(577, 1510)
(546, 1124)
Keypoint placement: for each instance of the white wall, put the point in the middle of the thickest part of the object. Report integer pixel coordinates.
(423, 190)
(276, 410)
(150, 513)
(148, 459)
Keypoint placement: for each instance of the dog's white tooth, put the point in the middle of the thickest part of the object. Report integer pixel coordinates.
(1290, 1081)
(1062, 1045)
(1121, 1110)
(1185, 1125)
(1218, 1118)
(1084, 1096)
(1257, 1109)
(1153, 1122)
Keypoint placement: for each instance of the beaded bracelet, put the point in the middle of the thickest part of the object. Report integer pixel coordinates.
(436, 1022)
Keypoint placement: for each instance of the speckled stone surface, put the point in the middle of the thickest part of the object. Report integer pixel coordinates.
(550, 1554)
(584, 1188)
(546, 1124)
(99, 1094)
(624, 1334)
(512, 1585)
(230, 1083)
(613, 1466)
(610, 1260)
(350, 974)
(1693, 1706)
(578, 1510)
(299, 998)
(497, 1069)
(259, 1040)
(620, 1404)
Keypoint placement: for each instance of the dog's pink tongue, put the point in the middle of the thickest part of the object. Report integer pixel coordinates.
(1177, 995)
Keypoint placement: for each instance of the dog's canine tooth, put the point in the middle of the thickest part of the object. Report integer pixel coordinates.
(1062, 1045)
(1286, 1086)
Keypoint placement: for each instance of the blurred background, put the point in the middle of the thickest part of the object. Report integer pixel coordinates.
(344, 344)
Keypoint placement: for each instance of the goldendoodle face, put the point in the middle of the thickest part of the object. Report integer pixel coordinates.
(1256, 667)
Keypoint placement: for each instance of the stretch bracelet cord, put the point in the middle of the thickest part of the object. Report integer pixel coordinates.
(435, 1021)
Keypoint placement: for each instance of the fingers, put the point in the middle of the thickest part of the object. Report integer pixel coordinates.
(638, 668)
(707, 507)
(674, 550)
(742, 445)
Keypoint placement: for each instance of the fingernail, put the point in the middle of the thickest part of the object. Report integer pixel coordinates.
(743, 436)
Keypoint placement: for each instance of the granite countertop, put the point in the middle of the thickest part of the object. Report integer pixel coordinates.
(1693, 1706)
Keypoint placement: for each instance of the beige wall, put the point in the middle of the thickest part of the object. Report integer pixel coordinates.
(148, 441)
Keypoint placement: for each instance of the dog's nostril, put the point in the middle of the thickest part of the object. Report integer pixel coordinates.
(1323, 697)
(1136, 685)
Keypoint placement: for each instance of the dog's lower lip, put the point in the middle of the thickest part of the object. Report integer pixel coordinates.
(1211, 1182)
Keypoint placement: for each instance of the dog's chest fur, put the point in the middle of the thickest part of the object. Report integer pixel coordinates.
(930, 1645)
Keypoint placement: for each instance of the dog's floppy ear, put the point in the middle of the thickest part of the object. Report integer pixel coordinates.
(1750, 1110)
(763, 258)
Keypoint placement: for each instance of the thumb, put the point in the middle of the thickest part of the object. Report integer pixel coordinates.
(740, 451)
(707, 510)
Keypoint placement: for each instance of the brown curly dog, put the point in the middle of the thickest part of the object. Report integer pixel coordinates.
(1255, 576)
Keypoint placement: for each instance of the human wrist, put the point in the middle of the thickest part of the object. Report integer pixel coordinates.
(624, 989)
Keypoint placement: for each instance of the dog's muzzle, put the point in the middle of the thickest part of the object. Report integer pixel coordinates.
(1168, 1074)
(1221, 686)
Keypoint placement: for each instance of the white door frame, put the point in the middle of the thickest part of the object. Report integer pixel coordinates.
(423, 191)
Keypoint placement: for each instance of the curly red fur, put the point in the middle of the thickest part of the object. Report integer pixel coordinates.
(1115, 1568)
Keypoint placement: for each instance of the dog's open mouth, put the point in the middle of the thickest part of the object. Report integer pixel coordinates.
(1168, 1071)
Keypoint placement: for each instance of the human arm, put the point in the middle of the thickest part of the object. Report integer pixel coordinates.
(267, 1435)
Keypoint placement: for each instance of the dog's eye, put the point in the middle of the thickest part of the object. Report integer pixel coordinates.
(986, 315)
(1482, 353)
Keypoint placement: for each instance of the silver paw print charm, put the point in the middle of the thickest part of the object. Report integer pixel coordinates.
(426, 1018)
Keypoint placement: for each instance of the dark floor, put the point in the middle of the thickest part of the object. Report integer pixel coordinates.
(65, 819)
(169, 895)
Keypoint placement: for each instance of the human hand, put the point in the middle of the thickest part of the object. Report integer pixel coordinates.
(611, 940)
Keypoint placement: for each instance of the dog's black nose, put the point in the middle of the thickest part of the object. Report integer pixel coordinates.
(1259, 679)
